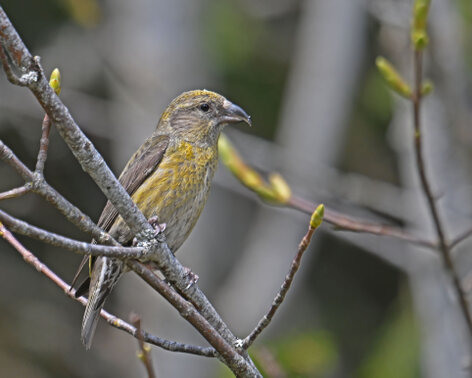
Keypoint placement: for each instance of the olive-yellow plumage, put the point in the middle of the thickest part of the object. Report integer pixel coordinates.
(169, 176)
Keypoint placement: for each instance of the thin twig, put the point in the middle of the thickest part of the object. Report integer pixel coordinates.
(38, 185)
(279, 298)
(348, 223)
(111, 319)
(144, 351)
(8, 156)
(460, 238)
(269, 364)
(11, 76)
(444, 247)
(16, 192)
(43, 145)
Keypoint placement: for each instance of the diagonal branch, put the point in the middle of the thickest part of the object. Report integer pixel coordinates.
(276, 191)
(38, 184)
(460, 238)
(144, 351)
(111, 319)
(185, 285)
(315, 222)
(11, 76)
(348, 223)
(43, 145)
(188, 311)
(82, 148)
(16, 192)
(92, 163)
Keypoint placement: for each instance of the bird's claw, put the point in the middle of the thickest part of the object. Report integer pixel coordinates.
(158, 227)
(193, 278)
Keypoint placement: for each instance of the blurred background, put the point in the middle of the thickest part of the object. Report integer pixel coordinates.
(362, 306)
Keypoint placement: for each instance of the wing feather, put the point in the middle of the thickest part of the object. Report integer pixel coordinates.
(145, 161)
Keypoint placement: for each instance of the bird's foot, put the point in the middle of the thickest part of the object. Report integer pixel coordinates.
(158, 227)
(192, 277)
(157, 233)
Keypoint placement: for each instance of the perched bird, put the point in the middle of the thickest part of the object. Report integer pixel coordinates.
(169, 177)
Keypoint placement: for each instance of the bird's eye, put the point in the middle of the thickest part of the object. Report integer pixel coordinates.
(204, 107)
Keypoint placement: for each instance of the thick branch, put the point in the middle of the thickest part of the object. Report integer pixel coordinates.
(235, 361)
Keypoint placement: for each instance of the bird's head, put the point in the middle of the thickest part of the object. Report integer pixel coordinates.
(199, 115)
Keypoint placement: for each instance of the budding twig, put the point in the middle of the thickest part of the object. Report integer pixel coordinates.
(444, 246)
(144, 353)
(315, 222)
(276, 191)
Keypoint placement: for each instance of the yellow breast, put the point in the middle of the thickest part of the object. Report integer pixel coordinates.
(177, 191)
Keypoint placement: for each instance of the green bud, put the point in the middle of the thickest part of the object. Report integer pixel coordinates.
(280, 187)
(419, 36)
(55, 81)
(393, 78)
(317, 216)
(427, 88)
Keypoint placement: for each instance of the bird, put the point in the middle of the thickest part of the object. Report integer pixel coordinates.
(168, 178)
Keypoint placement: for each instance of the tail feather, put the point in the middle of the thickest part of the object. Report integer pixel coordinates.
(105, 275)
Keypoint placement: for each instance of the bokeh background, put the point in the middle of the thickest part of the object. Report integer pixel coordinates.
(362, 306)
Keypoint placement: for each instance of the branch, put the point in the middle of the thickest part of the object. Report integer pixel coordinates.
(38, 184)
(420, 40)
(276, 191)
(269, 364)
(82, 148)
(227, 352)
(44, 145)
(460, 238)
(16, 192)
(144, 351)
(83, 248)
(92, 163)
(183, 282)
(11, 76)
(315, 222)
(348, 223)
(55, 83)
(111, 319)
